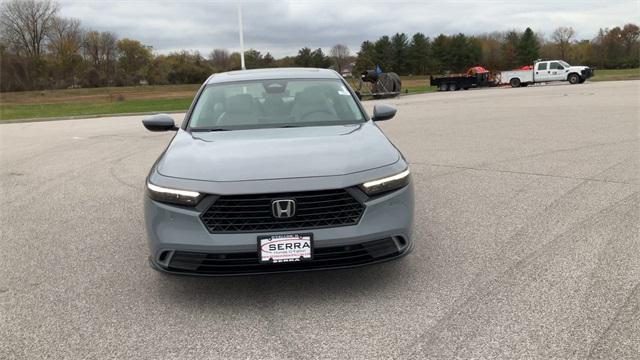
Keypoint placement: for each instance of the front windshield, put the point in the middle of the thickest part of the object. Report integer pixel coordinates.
(564, 63)
(275, 103)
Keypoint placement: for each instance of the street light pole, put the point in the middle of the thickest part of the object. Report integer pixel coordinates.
(241, 37)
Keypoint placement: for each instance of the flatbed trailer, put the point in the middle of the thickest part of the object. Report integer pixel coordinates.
(475, 77)
(452, 82)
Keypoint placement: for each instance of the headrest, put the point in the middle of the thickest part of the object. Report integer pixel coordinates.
(242, 103)
(312, 95)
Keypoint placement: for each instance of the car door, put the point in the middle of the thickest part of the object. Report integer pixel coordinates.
(542, 72)
(556, 71)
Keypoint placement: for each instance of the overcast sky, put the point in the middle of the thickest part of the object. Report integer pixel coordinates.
(284, 27)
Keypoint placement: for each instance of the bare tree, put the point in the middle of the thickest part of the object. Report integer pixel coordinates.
(25, 23)
(91, 47)
(339, 53)
(65, 37)
(100, 49)
(108, 43)
(65, 41)
(491, 49)
(630, 34)
(220, 59)
(562, 36)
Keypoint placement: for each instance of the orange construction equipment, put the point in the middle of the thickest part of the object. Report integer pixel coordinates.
(477, 70)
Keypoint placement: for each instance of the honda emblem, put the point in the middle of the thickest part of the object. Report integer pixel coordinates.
(283, 209)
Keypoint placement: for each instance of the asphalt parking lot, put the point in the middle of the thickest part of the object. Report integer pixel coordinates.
(527, 243)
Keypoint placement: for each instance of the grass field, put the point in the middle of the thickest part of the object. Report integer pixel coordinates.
(616, 74)
(140, 99)
(95, 101)
(65, 109)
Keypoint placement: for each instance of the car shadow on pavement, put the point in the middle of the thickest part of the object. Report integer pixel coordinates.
(236, 291)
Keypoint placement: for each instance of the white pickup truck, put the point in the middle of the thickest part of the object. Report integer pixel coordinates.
(545, 71)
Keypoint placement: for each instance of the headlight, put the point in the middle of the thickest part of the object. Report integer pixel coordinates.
(174, 196)
(389, 183)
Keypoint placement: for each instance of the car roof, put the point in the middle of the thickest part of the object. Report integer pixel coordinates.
(274, 73)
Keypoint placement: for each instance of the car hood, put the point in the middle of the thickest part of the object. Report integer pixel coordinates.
(277, 153)
(577, 68)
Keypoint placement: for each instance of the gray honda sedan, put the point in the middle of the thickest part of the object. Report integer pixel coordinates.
(277, 170)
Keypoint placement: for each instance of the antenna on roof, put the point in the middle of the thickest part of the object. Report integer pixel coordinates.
(241, 37)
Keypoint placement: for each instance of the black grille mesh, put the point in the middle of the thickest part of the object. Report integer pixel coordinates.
(252, 213)
(238, 263)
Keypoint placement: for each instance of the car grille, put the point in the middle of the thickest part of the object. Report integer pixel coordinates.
(239, 263)
(252, 213)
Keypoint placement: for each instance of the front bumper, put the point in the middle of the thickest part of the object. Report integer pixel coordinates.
(586, 73)
(180, 243)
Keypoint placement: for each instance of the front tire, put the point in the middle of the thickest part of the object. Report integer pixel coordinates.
(515, 82)
(574, 79)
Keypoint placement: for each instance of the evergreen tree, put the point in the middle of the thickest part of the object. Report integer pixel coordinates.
(319, 59)
(400, 45)
(458, 53)
(253, 59)
(440, 52)
(366, 57)
(268, 61)
(474, 47)
(384, 53)
(304, 58)
(528, 48)
(418, 54)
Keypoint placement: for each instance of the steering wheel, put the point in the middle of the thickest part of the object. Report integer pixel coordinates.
(319, 111)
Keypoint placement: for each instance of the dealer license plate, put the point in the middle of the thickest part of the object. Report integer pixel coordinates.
(285, 248)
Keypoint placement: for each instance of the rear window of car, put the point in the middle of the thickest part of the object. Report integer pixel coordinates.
(275, 103)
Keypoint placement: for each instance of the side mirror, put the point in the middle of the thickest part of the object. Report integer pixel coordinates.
(383, 112)
(159, 122)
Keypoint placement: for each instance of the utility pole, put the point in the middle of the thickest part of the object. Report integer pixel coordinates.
(241, 37)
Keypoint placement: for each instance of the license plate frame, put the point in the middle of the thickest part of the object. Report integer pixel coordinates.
(283, 253)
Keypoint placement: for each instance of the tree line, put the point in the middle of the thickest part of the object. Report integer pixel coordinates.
(41, 50)
(618, 47)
